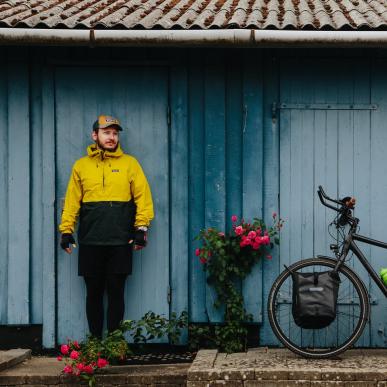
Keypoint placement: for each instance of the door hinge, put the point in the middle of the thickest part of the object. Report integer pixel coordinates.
(169, 115)
(169, 294)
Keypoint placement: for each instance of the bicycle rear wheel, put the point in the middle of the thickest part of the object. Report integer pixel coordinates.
(352, 312)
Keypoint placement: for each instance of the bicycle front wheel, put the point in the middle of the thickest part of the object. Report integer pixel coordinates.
(351, 317)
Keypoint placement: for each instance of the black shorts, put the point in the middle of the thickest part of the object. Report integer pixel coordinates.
(94, 260)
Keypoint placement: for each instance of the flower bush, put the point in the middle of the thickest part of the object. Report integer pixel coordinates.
(83, 359)
(229, 258)
(80, 361)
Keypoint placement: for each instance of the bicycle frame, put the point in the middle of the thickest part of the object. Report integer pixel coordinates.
(350, 245)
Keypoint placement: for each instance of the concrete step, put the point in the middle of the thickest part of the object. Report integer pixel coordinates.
(266, 367)
(13, 357)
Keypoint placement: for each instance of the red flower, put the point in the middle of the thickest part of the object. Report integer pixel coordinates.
(234, 218)
(59, 358)
(269, 257)
(68, 369)
(197, 252)
(64, 349)
(252, 234)
(256, 246)
(203, 260)
(239, 230)
(76, 344)
(102, 363)
(74, 355)
(80, 366)
(265, 240)
(88, 369)
(209, 254)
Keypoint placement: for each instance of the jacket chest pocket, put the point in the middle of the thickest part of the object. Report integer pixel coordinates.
(116, 179)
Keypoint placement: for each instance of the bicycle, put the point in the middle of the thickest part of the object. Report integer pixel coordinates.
(353, 306)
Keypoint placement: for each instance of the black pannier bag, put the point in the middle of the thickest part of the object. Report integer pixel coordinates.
(315, 298)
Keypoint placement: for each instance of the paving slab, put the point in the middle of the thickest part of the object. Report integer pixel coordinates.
(12, 357)
(267, 366)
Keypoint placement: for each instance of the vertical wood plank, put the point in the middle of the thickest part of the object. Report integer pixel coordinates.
(179, 191)
(271, 268)
(197, 293)
(3, 187)
(37, 233)
(234, 140)
(18, 194)
(215, 201)
(377, 197)
(71, 96)
(253, 170)
(361, 86)
(48, 208)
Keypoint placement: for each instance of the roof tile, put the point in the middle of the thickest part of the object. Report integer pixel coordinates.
(202, 14)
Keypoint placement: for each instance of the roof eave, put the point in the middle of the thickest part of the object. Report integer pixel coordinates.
(192, 38)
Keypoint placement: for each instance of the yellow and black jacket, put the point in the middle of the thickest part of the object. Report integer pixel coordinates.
(110, 194)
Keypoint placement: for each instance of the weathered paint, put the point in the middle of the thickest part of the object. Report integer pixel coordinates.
(222, 153)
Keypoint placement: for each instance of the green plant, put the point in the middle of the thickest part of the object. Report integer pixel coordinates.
(228, 259)
(82, 359)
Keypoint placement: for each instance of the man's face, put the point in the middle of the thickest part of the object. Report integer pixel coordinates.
(107, 138)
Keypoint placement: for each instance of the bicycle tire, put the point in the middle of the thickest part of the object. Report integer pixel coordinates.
(305, 344)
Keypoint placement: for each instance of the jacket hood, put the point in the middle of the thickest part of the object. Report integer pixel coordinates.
(93, 151)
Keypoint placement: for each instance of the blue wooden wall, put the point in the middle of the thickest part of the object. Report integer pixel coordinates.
(203, 125)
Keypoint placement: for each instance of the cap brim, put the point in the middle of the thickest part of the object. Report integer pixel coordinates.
(110, 125)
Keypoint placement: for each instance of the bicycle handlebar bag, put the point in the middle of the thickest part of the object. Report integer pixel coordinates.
(315, 298)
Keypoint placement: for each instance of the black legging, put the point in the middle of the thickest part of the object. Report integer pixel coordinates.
(95, 288)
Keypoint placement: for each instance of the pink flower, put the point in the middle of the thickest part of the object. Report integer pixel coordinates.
(221, 234)
(68, 369)
(102, 363)
(252, 234)
(274, 215)
(234, 218)
(256, 246)
(269, 256)
(197, 252)
(80, 366)
(64, 349)
(74, 355)
(239, 230)
(258, 239)
(59, 358)
(265, 240)
(88, 369)
(203, 260)
(76, 344)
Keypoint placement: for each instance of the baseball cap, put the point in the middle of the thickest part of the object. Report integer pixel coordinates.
(106, 121)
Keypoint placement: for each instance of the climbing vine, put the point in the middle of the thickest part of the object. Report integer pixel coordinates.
(228, 258)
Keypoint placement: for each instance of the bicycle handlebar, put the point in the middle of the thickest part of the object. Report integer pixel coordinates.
(324, 197)
(343, 209)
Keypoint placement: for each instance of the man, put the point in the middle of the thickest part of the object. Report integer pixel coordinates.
(110, 193)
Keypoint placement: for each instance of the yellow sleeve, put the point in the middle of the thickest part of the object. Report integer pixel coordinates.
(72, 203)
(142, 197)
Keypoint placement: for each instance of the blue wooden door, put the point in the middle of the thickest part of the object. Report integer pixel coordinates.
(328, 137)
(139, 98)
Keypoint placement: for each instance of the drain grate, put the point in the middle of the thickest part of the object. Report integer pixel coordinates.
(161, 358)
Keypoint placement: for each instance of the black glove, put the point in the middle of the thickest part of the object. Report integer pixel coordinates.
(66, 240)
(140, 238)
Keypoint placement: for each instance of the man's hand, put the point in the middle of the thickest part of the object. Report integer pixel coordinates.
(140, 239)
(66, 241)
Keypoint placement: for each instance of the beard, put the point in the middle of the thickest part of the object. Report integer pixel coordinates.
(106, 149)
